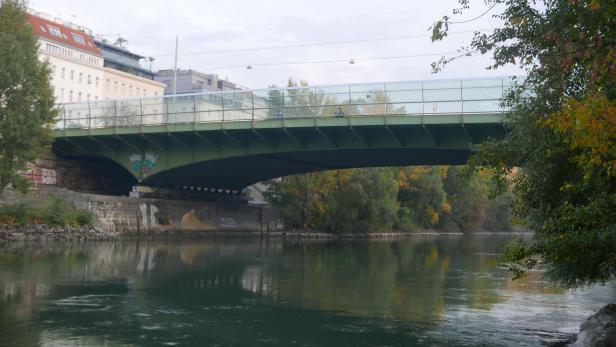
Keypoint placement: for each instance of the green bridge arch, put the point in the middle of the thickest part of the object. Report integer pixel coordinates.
(233, 139)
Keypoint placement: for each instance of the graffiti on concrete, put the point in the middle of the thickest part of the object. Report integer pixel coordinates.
(148, 220)
(39, 175)
(143, 163)
(111, 215)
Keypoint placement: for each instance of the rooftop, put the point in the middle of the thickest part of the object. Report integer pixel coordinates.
(61, 33)
(109, 46)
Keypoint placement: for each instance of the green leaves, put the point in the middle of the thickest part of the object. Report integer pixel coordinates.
(559, 156)
(26, 98)
(55, 212)
(388, 199)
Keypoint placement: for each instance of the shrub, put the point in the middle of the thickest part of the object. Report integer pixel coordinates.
(56, 212)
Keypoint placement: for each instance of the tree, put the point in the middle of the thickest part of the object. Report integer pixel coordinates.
(563, 131)
(422, 198)
(26, 97)
(364, 201)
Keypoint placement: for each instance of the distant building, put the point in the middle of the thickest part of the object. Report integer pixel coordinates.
(84, 69)
(124, 76)
(119, 58)
(76, 63)
(192, 81)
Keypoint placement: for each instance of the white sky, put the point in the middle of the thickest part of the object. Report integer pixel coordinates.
(151, 26)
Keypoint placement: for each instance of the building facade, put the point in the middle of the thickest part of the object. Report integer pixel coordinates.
(124, 77)
(75, 61)
(84, 69)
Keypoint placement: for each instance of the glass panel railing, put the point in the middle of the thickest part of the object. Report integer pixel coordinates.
(405, 98)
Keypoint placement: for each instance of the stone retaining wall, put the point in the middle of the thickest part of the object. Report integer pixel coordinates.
(128, 215)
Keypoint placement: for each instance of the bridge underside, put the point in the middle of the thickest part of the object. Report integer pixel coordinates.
(236, 173)
(235, 155)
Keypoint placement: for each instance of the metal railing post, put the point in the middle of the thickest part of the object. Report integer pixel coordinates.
(423, 105)
(141, 112)
(502, 98)
(385, 99)
(461, 103)
(115, 114)
(89, 117)
(252, 100)
(282, 104)
(350, 101)
(222, 103)
(194, 109)
(64, 112)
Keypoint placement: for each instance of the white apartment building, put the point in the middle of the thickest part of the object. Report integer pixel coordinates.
(75, 61)
(80, 69)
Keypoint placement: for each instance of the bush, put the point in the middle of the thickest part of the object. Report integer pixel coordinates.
(56, 212)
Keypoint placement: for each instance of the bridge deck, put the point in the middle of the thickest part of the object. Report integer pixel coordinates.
(236, 138)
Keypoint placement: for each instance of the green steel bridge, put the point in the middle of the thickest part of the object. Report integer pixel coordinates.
(232, 139)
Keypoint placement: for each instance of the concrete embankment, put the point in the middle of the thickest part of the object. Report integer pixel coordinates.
(128, 215)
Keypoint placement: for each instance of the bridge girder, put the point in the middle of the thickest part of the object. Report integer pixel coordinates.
(242, 153)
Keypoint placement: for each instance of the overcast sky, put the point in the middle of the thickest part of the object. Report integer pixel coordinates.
(205, 26)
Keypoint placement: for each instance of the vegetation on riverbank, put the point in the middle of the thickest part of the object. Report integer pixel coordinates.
(54, 213)
(27, 103)
(563, 130)
(391, 199)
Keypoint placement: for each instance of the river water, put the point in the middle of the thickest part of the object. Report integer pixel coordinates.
(424, 291)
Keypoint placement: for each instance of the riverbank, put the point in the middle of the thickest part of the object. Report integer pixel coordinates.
(41, 232)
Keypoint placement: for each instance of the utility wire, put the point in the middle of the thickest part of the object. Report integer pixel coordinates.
(327, 61)
(316, 44)
(472, 19)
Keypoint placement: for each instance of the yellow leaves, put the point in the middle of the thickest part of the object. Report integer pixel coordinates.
(595, 5)
(434, 216)
(411, 175)
(446, 206)
(590, 128)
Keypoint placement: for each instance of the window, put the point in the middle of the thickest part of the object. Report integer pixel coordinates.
(72, 75)
(96, 97)
(70, 96)
(96, 82)
(89, 79)
(81, 77)
(53, 70)
(62, 94)
(63, 73)
(55, 31)
(79, 39)
(123, 88)
(79, 97)
(130, 90)
(88, 97)
(115, 86)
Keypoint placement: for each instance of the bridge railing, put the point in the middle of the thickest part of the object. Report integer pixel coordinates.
(410, 98)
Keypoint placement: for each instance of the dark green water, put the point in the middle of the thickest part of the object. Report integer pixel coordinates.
(428, 291)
